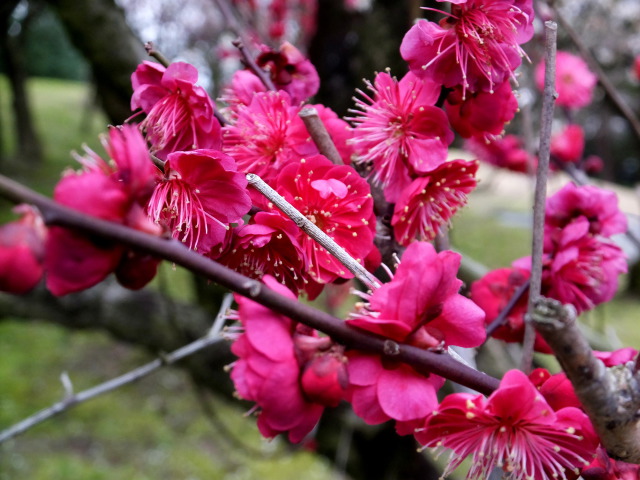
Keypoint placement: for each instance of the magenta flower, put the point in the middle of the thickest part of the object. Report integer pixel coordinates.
(506, 152)
(481, 114)
(266, 136)
(268, 246)
(514, 429)
(179, 112)
(430, 201)
(277, 362)
(568, 144)
(244, 84)
(339, 202)
(290, 71)
(598, 206)
(604, 467)
(477, 46)
(200, 194)
(22, 251)
(421, 306)
(574, 81)
(117, 192)
(400, 131)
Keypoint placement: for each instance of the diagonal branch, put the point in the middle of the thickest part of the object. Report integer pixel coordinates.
(174, 251)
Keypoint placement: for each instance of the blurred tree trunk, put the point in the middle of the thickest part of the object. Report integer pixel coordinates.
(98, 29)
(28, 147)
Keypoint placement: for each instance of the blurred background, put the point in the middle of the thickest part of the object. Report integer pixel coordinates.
(65, 71)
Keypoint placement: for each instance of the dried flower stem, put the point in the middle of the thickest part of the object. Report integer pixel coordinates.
(314, 232)
(174, 251)
(540, 195)
(610, 396)
(72, 399)
(320, 135)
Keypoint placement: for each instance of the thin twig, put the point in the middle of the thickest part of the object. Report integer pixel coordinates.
(314, 232)
(603, 79)
(72, 399)
(176, 252)
(548, 102)
(253, 66)
(320, 135)
(152, 52)
(504, 313)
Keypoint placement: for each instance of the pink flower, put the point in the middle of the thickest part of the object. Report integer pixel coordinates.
(339, 202)
(514, 429)
(266, 135)
(556, 389)
(493, 292)
(244, 84)
(22, 251)
(290, 71)
(421, 306)
(200, 194)
(568, 145)
(274, 358)
(574, 81)
(179, 112)
(481, 114)
(617, 357)
(604, 467)
(598, 206)
(430, 201)
(399, 130)
(506, 152)
(477, 46)
(268, 246)
(115, 192)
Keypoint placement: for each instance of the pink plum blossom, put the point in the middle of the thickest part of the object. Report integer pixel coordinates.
(278, 362)
(574, 81)
(598, 206)
(430, 201)
(481, 114)
(421, 306)
(515, 429)
(200, 194)
(339, 202)
(568, 144)
(116, 192)
(180, 114)
(268, 246)
(290, 71)
(400, 131)
(22, 251)
(477, 46)
(506, 152)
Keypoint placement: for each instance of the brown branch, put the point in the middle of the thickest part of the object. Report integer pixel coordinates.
(174, 251)
(548, 102)
(610, 396)
(320, 135)
(253, 66)
(152, 52)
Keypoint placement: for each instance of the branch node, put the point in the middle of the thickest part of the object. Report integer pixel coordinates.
(253, 288)
(391, 348)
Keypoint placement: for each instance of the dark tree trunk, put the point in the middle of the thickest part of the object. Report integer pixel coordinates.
(28, 147)
(98, 29)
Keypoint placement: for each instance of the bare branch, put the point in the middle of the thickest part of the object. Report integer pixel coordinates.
(174, 251)
(320, 135)
(152, 52)
(610, 396)
(314, 232)
(253, 66)
(71, 399)
(548, 102)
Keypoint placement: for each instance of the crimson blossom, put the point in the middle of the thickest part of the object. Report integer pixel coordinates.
(421, 306)
(180, 114)
(431, 200)
(290, 372)
(117, 192)
(515, 429)
(22, 251)
(574, 81)
(338, 201)
(200, 194)
(476, 46)
(503, 152)
(568, 144)
(400, 131)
